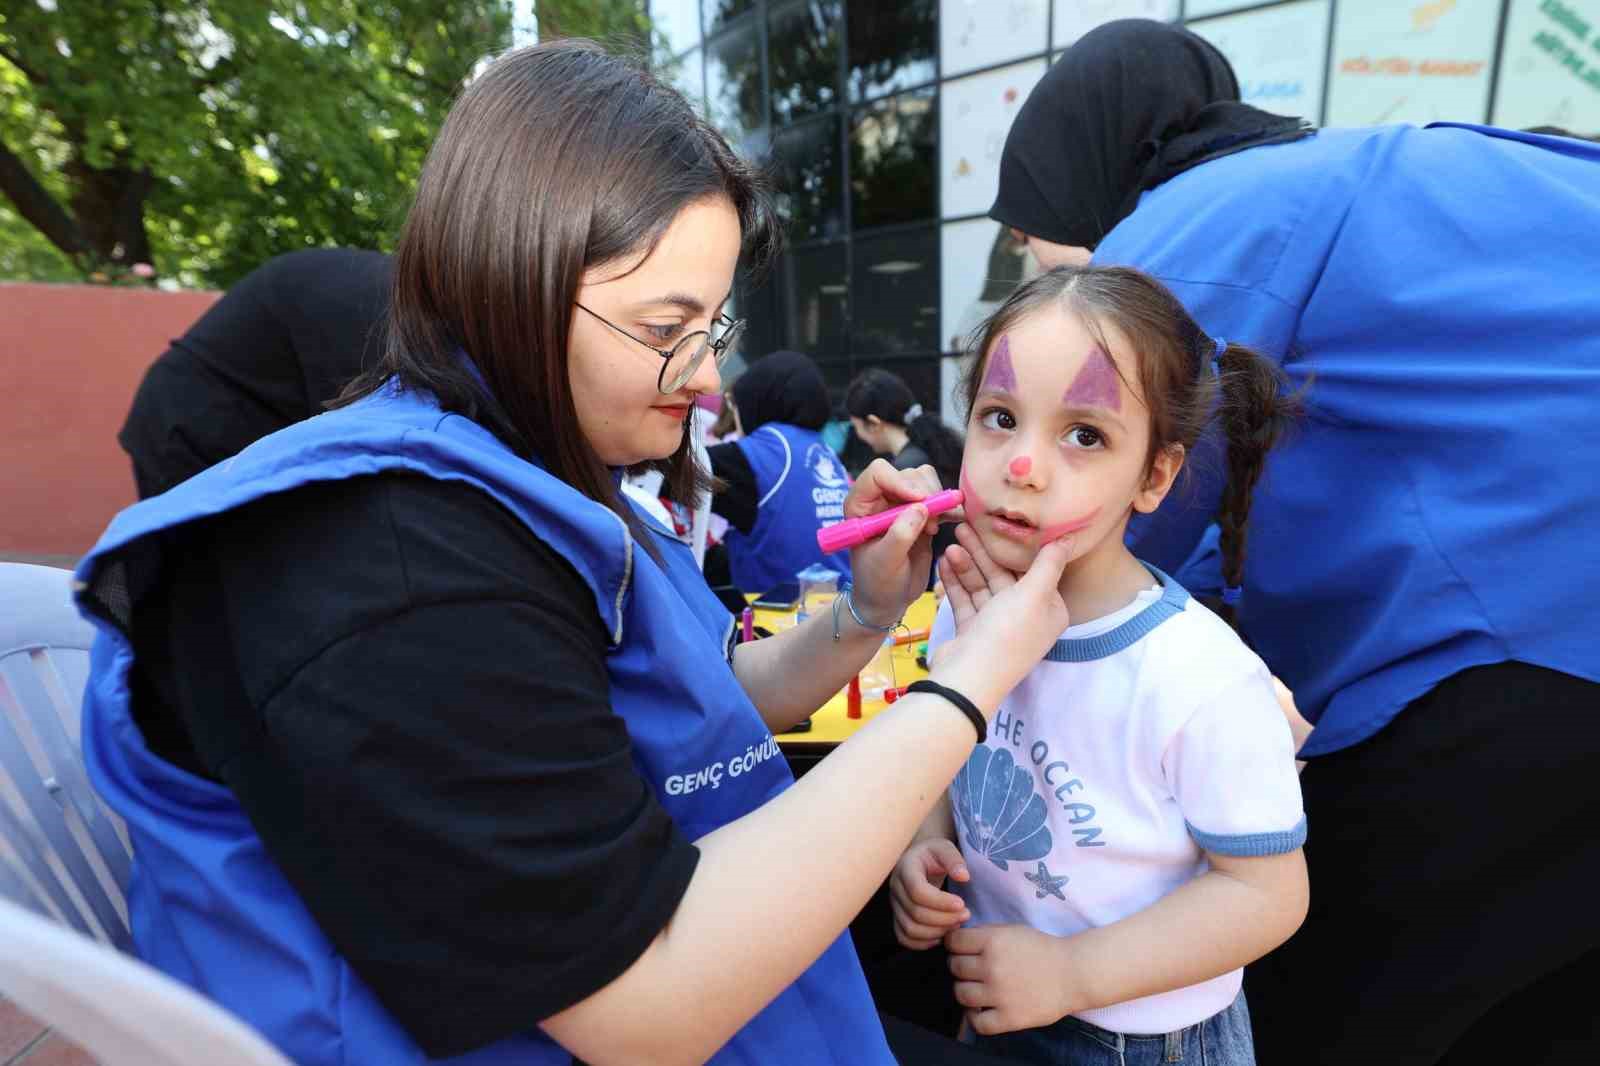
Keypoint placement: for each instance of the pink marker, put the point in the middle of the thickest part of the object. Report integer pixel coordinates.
(853, 531)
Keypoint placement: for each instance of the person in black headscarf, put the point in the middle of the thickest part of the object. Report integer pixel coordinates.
(1421, 550)
(281, 343)
(783, 482)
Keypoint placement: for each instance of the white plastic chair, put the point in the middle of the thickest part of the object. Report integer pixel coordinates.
(115, 1007)
(64, 861)
(55, 833)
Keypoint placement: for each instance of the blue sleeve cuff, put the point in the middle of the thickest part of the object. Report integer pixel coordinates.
(1250, 845)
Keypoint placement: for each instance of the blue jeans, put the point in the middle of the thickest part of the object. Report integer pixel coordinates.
(1221, 1040)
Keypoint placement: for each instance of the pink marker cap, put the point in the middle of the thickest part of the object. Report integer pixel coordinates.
(853, 531)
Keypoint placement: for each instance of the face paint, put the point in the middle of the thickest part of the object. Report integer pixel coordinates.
(1096, 384)
(1061, 529)
(1001, 376)
(1020, 466)
(971, 503)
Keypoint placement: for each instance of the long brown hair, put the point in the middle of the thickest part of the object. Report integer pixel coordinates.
(1247, 394)
(558, 158)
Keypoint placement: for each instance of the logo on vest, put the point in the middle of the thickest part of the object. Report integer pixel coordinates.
(830, 485)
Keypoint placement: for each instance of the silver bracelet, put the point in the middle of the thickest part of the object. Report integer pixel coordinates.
(862, 622)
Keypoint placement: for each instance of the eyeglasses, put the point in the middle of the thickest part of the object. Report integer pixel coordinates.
(681, 360)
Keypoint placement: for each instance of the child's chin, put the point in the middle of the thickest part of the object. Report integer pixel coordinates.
(1010, 554)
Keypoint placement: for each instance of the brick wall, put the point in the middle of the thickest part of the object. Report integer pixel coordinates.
(71, 357)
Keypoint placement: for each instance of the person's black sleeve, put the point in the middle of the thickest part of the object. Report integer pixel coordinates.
(739, 501)
(432, 759)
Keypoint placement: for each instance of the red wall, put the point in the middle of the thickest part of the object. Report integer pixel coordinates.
(71, 357)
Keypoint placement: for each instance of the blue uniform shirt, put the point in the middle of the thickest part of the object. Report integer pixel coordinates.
(802, 486)
(1435, 289)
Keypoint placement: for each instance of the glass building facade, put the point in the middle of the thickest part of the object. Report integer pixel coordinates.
(882, 121)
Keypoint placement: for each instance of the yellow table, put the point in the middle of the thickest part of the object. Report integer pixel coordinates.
(830, 724)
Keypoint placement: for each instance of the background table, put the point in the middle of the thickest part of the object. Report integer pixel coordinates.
(831, 725)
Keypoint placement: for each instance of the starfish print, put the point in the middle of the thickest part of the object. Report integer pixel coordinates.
(1047, 883)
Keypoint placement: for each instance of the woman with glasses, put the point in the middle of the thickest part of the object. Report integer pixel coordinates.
(431, 747)
(780, 480)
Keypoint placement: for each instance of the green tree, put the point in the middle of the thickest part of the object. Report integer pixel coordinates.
(204, 136)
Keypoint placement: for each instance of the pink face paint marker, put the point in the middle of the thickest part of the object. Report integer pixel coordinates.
(853, 531)
(1000, 376)
(1020, 466)
(1096, 384)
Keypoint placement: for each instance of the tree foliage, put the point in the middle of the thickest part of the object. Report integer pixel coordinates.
(204, 136)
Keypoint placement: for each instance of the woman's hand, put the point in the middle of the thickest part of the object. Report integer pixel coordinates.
(1005, 622)
(892, 570)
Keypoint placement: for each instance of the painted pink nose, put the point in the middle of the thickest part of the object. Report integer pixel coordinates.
(1020, 466)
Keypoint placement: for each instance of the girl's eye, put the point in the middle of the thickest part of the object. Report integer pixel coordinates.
(997, 418)
(1085, 437)
(663, 334)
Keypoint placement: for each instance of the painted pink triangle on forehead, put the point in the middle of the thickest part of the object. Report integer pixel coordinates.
(1096, 384)
(1001, 376)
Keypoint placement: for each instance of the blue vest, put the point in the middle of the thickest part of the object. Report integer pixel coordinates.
(802, 486)
(1436, 509)
(207, 904)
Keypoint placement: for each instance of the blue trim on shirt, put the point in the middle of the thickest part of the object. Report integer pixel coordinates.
(1129, 633)
(1250, 845)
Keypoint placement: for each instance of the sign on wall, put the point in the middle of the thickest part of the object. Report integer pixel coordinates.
(974, 116)
(1550, 66)
(1412, 62)
(1278, 54)
(980, 33)
(1074, 18)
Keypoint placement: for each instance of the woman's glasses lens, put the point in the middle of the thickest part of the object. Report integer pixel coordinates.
(691, 352)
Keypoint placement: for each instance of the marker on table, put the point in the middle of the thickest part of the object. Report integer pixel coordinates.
(853, 531)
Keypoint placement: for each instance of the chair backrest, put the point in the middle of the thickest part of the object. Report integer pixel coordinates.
(116, 1007)
(62, 851)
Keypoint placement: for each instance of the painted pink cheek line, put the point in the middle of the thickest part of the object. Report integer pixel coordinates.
(1001, 376)
(1096, 384)
(1020, 466)
(972, 504)
(1049, 533)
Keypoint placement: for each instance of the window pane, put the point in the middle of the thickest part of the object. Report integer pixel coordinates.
(892, 46)
(920, 375)
(719, 12)
(803, 52)
(733, 83)
(893, 160)
(816, 299)
(678, 21)
(810, 178)
(687, 75)
(894, 293)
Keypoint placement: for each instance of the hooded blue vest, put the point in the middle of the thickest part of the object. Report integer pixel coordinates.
(207, 904)
(802, 485)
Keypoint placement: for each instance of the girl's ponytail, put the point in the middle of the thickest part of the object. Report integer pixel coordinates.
(1255, 410)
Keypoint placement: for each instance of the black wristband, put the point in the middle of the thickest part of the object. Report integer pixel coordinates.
(960, 702)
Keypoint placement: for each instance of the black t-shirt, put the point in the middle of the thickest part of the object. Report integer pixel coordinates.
(738, 500)
(407, 692)
(280, 343)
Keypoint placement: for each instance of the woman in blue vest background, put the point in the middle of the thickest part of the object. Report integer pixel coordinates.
(434, 749)
(783, 482)
(1422, 560)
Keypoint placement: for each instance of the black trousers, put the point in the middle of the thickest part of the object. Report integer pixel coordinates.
(1455, 862)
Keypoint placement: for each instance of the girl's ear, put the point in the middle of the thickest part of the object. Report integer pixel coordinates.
(1163, 472)
(873, 422)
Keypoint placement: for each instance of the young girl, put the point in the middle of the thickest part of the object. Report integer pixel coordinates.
(1129, 836)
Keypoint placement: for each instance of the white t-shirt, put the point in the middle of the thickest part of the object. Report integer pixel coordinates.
(1141, 739)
